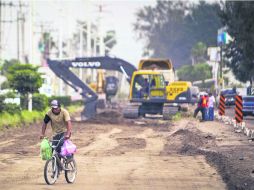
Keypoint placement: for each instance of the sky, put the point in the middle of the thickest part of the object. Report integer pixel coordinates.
(128, 47)
(118, 15)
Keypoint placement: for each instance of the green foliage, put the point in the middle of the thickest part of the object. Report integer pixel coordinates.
(177, 116)
(64, 100)
(73, 108)
(9, 120)
(5, 85)
(172, 28)
(46, 44)
(10, 94)
(77, 102)
(12, 108)
(238, 17)
(194, 73)
(7, 64)
(198, 52)
(40, 102)
(30, 117)
(8, 107)
(25, 117)
(24, 78)
(4, 71)
(2, 97)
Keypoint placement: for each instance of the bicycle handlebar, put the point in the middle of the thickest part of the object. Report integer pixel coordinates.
(57, 143)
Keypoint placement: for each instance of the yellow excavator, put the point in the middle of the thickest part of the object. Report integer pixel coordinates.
(154, 91)
(152, 86)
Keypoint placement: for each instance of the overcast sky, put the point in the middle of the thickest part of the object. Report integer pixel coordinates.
(118, 15)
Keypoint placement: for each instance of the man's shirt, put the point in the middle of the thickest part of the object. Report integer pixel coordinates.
(58, 121)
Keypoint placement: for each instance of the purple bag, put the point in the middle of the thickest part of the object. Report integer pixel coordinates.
(68, 148)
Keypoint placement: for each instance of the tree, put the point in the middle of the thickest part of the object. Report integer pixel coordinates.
(4, 68)
(24, 78)
(238, 17)
(196, 72)
(198, 53)
(7, 64)
(171, 29)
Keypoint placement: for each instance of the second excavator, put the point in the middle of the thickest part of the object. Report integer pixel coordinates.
(154, 91)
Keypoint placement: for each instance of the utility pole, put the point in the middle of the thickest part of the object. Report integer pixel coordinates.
(221, 66)
(60, 48)
(101, 34)
(16, 20)
(0, 29)
(20, 33)
(23, 56)
(18, 48)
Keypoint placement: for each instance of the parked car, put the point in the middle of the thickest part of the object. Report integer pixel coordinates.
(230, 99)
(248, 105)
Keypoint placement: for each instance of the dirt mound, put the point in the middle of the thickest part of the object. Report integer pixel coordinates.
(186, 141)
(230, 160)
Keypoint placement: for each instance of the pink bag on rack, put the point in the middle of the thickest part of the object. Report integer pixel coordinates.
(68, 148)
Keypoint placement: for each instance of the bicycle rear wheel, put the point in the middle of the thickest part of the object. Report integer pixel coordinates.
(70, 170)
(51, 171)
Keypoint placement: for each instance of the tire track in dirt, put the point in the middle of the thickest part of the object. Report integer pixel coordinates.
(102, 143)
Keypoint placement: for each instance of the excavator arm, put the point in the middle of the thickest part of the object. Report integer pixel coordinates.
(62, 69)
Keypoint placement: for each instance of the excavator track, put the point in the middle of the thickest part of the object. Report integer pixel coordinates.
(131, 111)
(169, 111)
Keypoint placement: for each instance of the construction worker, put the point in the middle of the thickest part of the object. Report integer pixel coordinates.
(211, 103)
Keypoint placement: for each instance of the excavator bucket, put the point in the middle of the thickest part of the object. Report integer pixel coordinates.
(89, 110)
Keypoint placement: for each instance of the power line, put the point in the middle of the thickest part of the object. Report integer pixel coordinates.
(20, 20)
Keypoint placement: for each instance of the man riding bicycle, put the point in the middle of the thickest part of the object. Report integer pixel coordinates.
(60, 122)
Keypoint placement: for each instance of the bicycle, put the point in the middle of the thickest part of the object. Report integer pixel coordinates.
(58, 163)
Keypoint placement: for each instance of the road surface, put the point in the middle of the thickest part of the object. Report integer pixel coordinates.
(115, 153)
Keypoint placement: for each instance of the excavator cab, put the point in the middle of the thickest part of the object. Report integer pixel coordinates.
(111, 87)
(148, 95)
(147, 85)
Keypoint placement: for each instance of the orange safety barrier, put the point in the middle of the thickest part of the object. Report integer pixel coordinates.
(238, 109)
(222, 105)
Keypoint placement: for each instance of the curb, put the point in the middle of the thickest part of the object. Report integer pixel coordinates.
(237, 127)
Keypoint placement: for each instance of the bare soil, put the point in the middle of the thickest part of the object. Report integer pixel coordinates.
(147, 153)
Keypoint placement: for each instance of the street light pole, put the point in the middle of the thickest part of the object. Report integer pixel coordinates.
(221, 66)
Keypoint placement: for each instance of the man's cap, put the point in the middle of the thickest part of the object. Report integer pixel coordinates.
(55, 104)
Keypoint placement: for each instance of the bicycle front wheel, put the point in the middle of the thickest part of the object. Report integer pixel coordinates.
(51, 171)
(70, 170)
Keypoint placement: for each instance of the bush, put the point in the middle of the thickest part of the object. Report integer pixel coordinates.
(77, 103)
(2, 97)
(64, 100)
(12, 108)
(24, 117)
(30, 117)
(9, 120)
(8, 107)
(40, 102)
